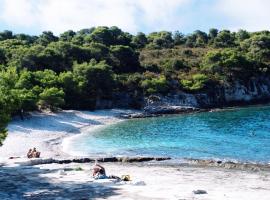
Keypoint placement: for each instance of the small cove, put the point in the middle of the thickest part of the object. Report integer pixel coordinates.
(241, 134)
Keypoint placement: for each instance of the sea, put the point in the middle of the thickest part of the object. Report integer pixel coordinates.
(236, 134)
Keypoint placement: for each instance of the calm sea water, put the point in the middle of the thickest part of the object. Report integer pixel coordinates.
(241, 134)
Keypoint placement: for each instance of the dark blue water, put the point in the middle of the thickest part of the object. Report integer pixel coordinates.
(240, 134)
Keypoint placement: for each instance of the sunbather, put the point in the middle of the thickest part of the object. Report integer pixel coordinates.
(33, 153)
(29, 154)
(99, 172)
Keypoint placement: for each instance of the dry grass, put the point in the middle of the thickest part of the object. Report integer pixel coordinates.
(191, 56)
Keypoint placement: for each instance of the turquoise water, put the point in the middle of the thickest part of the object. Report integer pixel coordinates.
(241, 134)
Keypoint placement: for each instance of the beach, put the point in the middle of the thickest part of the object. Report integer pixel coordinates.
(50, 133)
(46, 131)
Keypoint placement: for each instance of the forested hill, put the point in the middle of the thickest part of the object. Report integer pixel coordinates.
(78, 69)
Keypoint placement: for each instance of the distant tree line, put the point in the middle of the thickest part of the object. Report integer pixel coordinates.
(75, 69)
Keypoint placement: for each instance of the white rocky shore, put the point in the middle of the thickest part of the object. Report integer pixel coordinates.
(20, 179)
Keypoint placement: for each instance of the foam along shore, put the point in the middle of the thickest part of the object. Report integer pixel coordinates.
(33, 179)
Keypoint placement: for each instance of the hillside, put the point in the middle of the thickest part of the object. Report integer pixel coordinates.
(104, 67)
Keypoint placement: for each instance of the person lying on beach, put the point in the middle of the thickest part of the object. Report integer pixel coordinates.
(100, 173)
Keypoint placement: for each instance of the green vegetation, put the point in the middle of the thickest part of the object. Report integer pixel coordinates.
(152, 85)
(77, 69)
(195, 82)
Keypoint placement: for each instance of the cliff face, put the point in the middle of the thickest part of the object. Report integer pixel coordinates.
(256, 90)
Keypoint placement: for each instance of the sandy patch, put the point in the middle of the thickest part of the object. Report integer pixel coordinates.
(46, 131)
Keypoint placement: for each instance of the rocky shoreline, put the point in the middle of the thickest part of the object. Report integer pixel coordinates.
(39, 161)
(188, 162)
(174, 110)
(160, 111)
(229, 164)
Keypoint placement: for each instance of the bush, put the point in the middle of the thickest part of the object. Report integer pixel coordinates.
(173, 65)
(197, 82)
(51, 98)
(228, 63)
(124, 59)
(155, 85)
(4, 118)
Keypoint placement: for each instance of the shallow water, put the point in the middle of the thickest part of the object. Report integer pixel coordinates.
(241, 134)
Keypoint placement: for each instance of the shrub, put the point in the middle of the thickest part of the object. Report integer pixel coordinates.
(155, 85)
(197, 82)
(51, 98)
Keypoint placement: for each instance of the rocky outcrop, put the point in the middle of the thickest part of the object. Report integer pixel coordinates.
(256, 90)
(171, 104)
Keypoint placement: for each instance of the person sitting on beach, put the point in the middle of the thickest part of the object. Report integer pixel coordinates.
(29, 154)
(35, 153)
